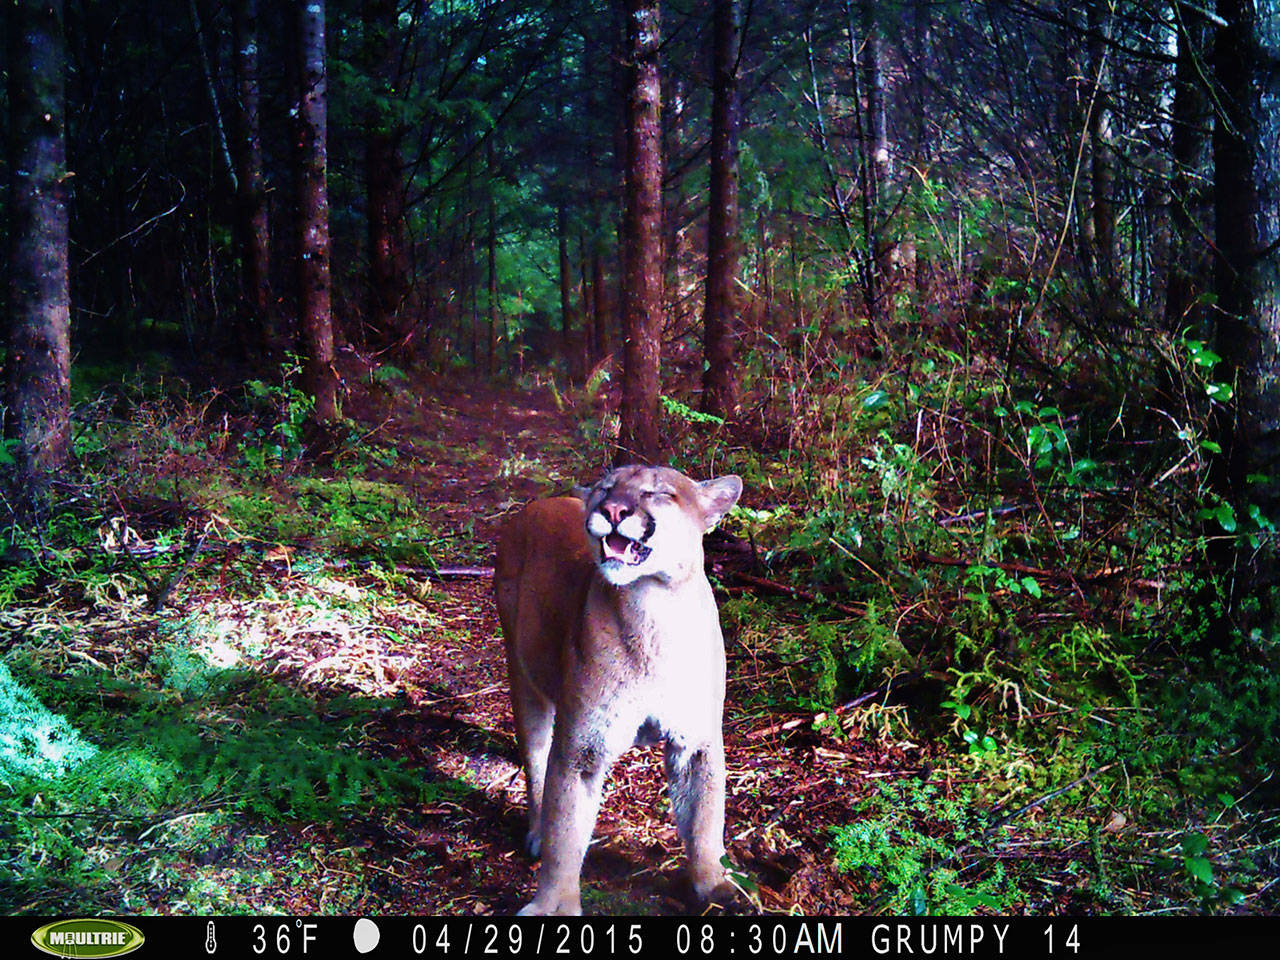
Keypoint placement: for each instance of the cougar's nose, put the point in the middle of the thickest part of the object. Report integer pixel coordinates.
(615, 511)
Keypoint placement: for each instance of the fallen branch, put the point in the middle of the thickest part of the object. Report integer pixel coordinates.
(843, 708)
(1041, 800)
(773, 586)
(428, 573)
(162, 592)
(1039, 573)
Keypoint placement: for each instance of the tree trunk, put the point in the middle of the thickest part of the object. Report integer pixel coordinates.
(1246, 193)
(314, 297)
(642, 239)
(389, 326)
(876, 173)
(491, 245)
(917, 74)
(587, 306)
(1187, 275)
(572, 366)
(1102, 155)
(211, 90)
(252, 225)
(877, 115)
(600, 304)
(38, 364)
(872, 138)
(719, 382)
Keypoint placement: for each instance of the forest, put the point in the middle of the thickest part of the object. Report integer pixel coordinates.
(980, 299)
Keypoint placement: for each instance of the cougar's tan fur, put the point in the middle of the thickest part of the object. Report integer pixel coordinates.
(613, 638)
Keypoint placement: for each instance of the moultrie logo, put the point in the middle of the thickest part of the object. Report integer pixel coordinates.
(87, 938)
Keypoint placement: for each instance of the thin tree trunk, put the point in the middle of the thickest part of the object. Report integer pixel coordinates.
(252, 226)
(473, 266)
(567, 348)
(719, 381)
(388, 323)
(388, 292)
(211, 89)
(314, 295)
(1187, 270)
(837, 195)
(873, 144)
(1102, 154)
(38, 364)
(642, 241)
(492, 251)
(587, 306)
(877, 114)
(601, 304)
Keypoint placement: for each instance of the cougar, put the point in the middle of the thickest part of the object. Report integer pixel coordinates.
(613, 639)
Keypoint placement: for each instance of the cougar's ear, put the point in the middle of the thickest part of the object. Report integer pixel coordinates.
(717, 498)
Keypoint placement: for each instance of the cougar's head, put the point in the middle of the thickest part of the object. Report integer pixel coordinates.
(649, 521)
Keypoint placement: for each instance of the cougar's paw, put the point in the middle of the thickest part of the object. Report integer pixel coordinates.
(540, 908)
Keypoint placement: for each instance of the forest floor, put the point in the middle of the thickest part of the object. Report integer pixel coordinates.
(324, 584)
(450, 719)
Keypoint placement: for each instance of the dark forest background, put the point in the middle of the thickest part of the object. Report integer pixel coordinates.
(980, 298)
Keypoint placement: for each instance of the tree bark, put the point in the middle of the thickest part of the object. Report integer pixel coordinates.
(389, 327)
(568, 348)
(1188, 272)
(587, 306)
(600, 304)
(877, 114)
(252, 225)
(719, 381)
(314, 294)
(38, 363)
(1102, 155)
(1246, 194)
(642, 239)
(491, 251)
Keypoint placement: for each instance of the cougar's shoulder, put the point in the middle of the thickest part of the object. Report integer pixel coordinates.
(551, 529)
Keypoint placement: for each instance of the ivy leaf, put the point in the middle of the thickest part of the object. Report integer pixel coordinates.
(1201, 869)
(1226, 517)
(875, 400)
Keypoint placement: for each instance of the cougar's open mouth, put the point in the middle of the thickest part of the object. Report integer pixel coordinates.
(623, 549)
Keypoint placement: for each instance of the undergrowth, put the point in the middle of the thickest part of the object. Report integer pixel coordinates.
(104, 761)
(1006, 569)
(137, 751)
(1019, 564)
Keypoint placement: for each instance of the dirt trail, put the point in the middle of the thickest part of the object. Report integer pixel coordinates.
(472, 454)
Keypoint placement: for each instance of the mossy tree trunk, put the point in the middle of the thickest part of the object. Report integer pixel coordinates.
(252, 225)
(642, 238)
(719, 319)
(315, 314)
(38, 361)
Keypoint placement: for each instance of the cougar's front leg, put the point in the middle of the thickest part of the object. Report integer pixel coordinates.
(534, 715)
(570, 804)
(695, 783)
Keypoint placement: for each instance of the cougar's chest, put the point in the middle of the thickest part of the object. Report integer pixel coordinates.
(669, 655)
